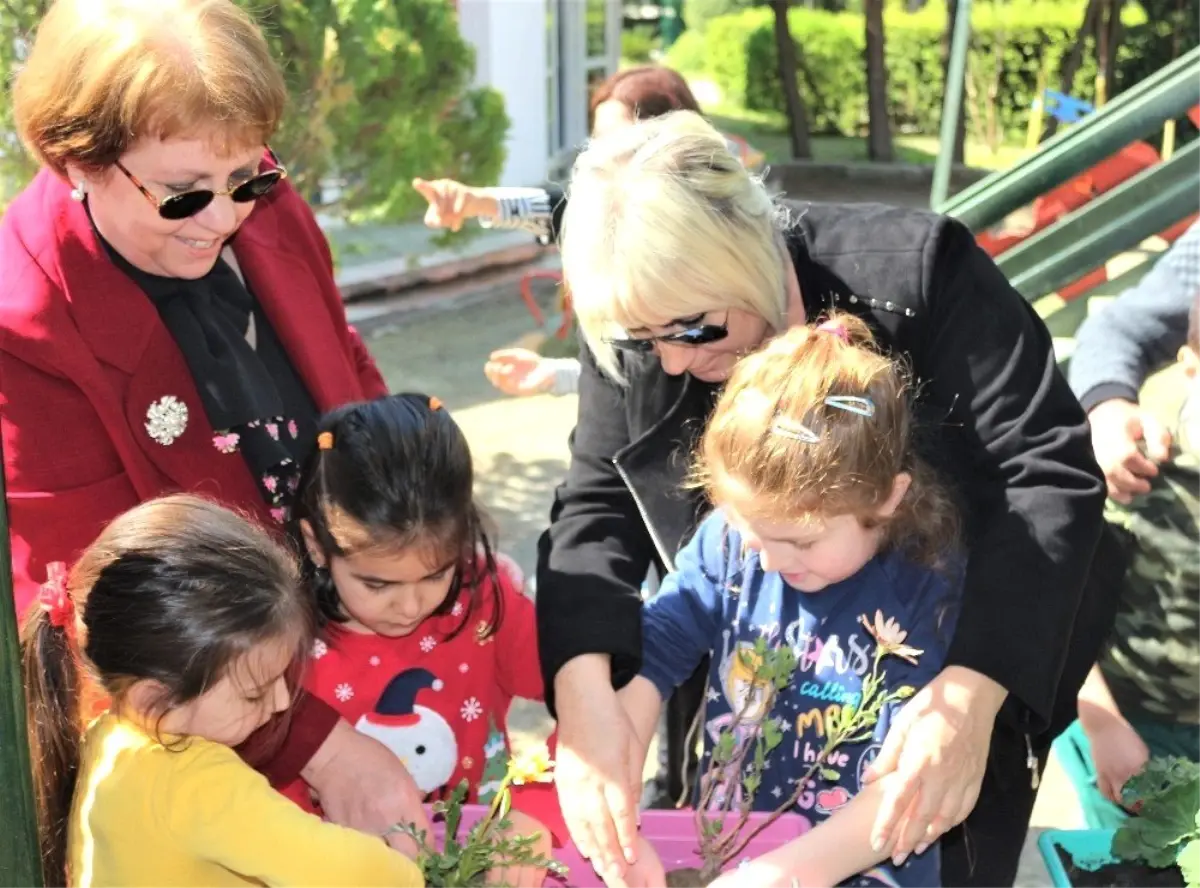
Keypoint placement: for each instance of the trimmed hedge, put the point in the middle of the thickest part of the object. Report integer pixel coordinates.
(1024, 37)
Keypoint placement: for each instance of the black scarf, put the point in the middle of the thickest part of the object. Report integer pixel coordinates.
(251, 394)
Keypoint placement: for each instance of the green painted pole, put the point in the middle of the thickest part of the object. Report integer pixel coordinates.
(20, 859)
(956, 74)
(1136, 113)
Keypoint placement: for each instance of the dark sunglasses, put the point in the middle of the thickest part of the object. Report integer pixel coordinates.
(702, 334)
(189, 203)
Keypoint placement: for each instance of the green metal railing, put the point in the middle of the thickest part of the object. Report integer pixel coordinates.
(20, 861)
(956, 73)
(1139, 111)
(1115, 221)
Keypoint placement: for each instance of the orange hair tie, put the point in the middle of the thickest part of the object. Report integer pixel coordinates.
(435, 403)
(325, 441)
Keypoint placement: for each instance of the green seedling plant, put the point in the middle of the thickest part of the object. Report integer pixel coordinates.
(488, 845)
(1165, 829)
(740, 754)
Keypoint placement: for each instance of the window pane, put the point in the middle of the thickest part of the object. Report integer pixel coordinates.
(596, 27)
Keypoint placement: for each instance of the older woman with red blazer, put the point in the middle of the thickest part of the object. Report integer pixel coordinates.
(168, 314)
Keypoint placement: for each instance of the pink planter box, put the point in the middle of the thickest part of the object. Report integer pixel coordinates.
(672, 833)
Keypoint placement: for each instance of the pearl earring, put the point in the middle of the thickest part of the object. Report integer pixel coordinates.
(78, 193)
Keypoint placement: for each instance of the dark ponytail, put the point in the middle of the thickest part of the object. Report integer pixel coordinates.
(50, 672)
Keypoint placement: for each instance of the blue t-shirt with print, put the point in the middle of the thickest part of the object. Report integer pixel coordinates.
(719, 600)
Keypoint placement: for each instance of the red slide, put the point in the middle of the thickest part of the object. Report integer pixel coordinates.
(1071, 195)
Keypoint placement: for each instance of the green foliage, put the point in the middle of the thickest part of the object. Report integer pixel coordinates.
(464, 862)
(698, 13)
(17, 22)
(1012, 43)
(379, 92)
(1166, 828)
(688, 54)
(638, 44)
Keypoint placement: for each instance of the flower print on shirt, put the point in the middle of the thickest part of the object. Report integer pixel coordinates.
(227, 442)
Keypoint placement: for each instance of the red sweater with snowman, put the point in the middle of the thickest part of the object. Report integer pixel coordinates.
(440, 700)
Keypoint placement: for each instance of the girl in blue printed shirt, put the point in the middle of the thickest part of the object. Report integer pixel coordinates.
(830, 537)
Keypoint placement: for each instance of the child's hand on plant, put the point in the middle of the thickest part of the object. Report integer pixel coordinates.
(647, 871)
(521, 824)
(1118, 751)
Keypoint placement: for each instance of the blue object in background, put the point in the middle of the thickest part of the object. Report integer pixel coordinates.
(1065, 108)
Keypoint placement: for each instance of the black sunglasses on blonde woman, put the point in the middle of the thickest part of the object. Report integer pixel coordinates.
(700, 334)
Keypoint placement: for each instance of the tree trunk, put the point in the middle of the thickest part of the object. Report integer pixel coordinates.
(879, 127)
(797, 115)
(960, 126)
(1074, 58)
(1110, 38)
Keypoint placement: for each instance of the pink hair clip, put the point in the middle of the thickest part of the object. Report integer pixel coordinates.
(53, 596)
(837, 328)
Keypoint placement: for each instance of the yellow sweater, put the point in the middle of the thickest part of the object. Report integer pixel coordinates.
(198, 816)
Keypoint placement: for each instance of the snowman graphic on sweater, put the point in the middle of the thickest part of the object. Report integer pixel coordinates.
(418, 736)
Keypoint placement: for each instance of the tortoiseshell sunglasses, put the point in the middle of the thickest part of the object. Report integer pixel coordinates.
(189, 203)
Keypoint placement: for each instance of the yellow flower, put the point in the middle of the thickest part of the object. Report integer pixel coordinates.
(890, 637)
(532, 767)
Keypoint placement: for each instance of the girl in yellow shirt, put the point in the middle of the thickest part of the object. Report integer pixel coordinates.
(189, 617)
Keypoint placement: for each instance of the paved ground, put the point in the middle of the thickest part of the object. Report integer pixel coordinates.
(437, 342)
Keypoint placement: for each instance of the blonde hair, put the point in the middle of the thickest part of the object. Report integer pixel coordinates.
(792, 455)
(103, 74)
(663, 222)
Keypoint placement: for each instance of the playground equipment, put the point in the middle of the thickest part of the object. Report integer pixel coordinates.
(1092, 191)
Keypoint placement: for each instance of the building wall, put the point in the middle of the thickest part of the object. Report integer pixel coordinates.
(516, 44)
(510, 41)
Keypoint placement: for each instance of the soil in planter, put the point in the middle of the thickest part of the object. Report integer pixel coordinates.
(684, 878)
(1122, 874)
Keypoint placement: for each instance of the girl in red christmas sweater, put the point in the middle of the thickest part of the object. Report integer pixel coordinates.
(425, 639)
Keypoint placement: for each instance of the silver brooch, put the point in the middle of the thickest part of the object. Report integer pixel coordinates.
(166, 419)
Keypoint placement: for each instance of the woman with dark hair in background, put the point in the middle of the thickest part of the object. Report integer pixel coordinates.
(626, 97)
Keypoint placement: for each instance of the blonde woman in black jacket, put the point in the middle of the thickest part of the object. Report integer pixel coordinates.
(679, 262)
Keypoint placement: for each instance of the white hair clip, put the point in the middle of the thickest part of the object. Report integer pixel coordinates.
(853, 404)
(794, 430)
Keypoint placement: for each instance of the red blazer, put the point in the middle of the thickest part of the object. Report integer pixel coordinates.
(83, 355)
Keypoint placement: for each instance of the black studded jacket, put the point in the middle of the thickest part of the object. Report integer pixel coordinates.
(1000, 425)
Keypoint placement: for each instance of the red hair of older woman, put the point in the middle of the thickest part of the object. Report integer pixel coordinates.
(647, 91)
